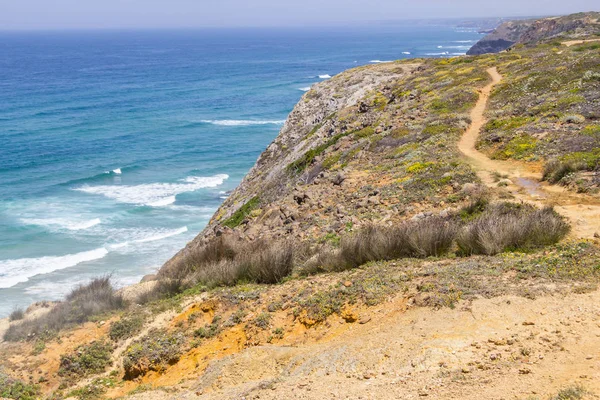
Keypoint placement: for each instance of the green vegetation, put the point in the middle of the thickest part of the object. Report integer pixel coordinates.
(154, 352)
(308, 157)
(511, 227)
(518, 148)
(507, 123)
(439, 129)
(14, 389)
(94, 390)
(238, 217)
(365, 132)
(573, 392)
(86, 360)
(126, 327)
(208, 331)
(556, 170)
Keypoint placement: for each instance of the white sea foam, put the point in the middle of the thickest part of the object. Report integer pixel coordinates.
(406, 52)
(465, 41)
(117, 171)
(454, 47)
(162, 235)
(445, 53)
(304, 89)
(150, 237)
(325, 76)
(242, 122)
(19, 270)
(379, 61)
(153, 194)
(62, 223)
(163, 202)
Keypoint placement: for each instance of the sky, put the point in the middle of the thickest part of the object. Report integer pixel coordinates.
(131, 14)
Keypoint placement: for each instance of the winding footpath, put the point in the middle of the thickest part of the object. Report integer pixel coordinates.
(581, 210)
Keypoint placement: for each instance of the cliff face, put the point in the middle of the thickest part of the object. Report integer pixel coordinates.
(534, 31)
(372, 144)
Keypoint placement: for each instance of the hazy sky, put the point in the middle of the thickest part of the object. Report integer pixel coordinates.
(74, 14)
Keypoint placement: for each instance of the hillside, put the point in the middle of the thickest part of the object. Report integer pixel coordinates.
(419, 229)
(535, 31)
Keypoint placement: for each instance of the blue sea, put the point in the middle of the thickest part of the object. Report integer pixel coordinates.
(117, 147)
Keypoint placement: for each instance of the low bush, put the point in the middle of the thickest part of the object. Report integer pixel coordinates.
(14, 389)
(225, 262)
(126, 327)
(86, 360)
(17, 315)
(428, 237)
(509, 227)
(555, 170)
(80, 305)
(154, 352)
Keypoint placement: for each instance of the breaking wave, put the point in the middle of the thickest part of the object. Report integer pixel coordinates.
(243, 122)
(153, 194)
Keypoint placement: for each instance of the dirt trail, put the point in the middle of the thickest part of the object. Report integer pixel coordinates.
(575, 42)
(583, 211)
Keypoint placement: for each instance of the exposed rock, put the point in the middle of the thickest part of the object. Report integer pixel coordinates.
(533, 31)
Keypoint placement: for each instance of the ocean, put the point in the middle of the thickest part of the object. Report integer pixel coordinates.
(117, 147)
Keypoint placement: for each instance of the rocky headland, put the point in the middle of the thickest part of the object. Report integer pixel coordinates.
(425, 228)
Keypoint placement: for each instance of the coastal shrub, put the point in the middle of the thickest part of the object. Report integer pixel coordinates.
(428, 237)
(126, 327)
(84, 302)
(154, 352)
(15, 389)
(556, 169)
(86, 360)
(238, 217)
(510, 227)
(208, 331)
(93, 390)
(225, 261)
(17, 315)
(259, 262)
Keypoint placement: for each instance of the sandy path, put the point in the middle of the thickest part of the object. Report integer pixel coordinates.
(583, 211)
(575, 42)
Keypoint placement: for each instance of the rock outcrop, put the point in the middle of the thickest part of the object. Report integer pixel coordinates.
(534, 31)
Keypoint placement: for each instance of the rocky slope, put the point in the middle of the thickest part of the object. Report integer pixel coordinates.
(535, 31)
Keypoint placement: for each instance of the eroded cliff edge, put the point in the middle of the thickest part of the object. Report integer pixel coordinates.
(536, 30)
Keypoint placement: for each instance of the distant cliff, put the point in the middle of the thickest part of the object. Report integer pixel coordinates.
(534, 31)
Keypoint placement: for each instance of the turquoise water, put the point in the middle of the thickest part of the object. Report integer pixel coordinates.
(117, 147)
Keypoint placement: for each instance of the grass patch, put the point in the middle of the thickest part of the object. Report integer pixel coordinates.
(517, 148)
(429, 237)
(303, 162)
(86, 360)
(511, 227)
(507, 123)
(15, 389)
(226, 261)
(126, 327)
(555, 170)
(238, 217)
(155, 352)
